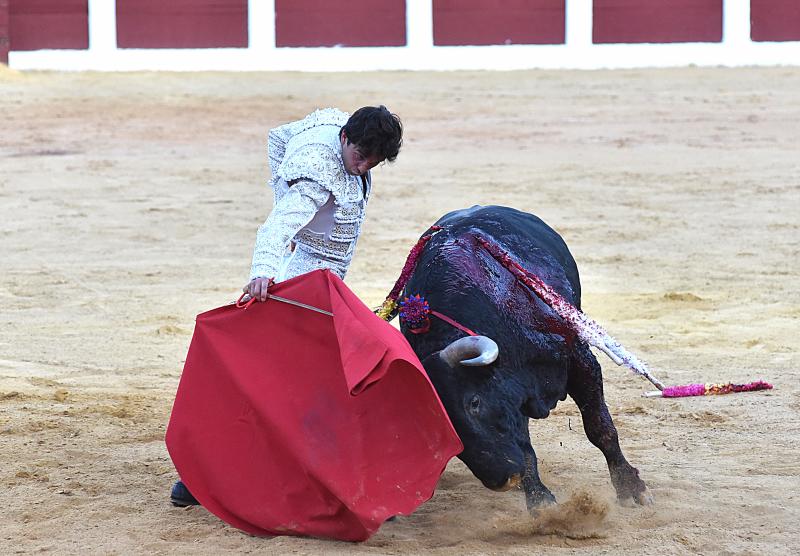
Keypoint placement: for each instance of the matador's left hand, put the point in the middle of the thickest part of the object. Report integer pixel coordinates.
(257, 288)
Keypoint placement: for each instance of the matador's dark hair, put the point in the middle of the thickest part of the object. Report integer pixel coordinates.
(376, 132)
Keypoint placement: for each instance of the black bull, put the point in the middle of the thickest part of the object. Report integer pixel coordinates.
(540, 360)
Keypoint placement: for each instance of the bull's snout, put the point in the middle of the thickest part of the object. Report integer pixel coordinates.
(512, 482)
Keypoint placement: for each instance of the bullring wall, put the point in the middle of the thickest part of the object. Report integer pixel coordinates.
(341, 35)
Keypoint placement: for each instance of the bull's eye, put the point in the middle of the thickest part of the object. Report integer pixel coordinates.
(475, 405)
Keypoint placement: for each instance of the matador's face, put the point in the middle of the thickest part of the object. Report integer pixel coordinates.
(356, 163)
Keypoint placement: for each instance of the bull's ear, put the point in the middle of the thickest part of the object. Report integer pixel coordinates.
(472, 351)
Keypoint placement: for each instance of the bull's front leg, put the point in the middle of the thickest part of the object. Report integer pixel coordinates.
(536, 494)
(585, 387)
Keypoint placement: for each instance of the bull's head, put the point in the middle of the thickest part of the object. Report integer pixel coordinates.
(484, 409)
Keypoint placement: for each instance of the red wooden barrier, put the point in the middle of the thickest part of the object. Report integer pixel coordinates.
(340, 22)
(657, 21)
(482, 22)
(182, 23)
(39, 24)
(3, 31)
(775, 20)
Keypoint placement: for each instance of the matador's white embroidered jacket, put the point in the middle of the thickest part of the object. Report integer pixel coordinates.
(319, 208)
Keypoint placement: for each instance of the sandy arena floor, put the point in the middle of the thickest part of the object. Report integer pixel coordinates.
(129, 204)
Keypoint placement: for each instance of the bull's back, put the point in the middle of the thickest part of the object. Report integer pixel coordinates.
(527, 237)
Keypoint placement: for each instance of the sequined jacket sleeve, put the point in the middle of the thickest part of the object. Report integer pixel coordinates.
(292, 211)
(276, 147)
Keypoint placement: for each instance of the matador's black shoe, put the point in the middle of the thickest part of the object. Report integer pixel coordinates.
(181, 497)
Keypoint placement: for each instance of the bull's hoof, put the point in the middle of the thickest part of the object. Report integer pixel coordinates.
(534, 510)
(539, 499)
(629, 486)
(644, 498)
(641, 497)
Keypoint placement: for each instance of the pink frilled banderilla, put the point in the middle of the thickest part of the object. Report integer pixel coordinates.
(594, 334)
(708, 389)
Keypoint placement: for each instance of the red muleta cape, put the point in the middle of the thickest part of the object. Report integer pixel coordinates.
(291, 422)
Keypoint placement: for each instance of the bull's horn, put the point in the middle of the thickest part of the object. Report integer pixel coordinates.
(472, 351)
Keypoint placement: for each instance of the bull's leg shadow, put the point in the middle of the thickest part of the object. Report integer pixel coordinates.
(585, 387)
(536, 494)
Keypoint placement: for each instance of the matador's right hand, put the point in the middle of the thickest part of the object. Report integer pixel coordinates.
(257, 288)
